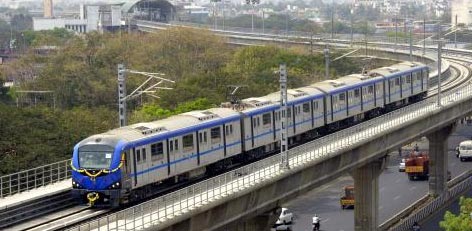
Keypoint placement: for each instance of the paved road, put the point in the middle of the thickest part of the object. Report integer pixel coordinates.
(396, 192)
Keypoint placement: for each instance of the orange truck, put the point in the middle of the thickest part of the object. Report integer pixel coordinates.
(347, 200)
(417, 166)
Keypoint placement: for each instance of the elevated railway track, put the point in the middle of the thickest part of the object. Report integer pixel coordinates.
(460, 74)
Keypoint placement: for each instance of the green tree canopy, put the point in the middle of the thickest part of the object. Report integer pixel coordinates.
(462, 221)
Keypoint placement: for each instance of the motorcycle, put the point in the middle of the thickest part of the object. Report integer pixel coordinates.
(316, 223)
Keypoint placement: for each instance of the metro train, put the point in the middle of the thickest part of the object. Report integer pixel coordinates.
(134, 162)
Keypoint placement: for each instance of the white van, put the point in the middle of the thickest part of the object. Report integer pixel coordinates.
(465, 150)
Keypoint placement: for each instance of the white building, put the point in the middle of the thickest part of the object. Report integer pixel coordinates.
(92, 18)
(463, 10)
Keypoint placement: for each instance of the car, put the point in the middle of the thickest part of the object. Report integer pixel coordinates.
(401, 166)
(286, 217)
(465, 150)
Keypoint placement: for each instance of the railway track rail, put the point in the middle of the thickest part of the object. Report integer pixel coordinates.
(35, 208)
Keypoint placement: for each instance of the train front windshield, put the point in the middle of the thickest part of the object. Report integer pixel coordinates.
(95, 156)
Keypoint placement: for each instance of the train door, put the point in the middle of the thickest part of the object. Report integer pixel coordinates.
(142, 165)
(158, 161)
(204, 146)
(174, 154)
(127, 170)
(188, 159)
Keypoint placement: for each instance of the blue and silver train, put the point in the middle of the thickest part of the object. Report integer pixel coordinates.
(133, 162)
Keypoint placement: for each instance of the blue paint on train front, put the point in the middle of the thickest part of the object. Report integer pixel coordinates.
(104, 180)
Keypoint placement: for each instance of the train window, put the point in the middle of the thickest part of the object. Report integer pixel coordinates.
(408, 79)
(157, 151)
(397, 81)
(227, 130)
(205, 137)
(258, 122)
(299, 110)
(231, 128)
(315, 105)
(342, 97)
(306, 107)
(254, 124)
(176, 145)
(188, 141)
(215, 134)
(370, 90)
(171, 146)
(200, 137)
(144, 154)
(266, 119)
(138, 155)
(356, 93)
(289, 112)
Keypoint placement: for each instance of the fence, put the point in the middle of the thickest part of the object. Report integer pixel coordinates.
(35, 177)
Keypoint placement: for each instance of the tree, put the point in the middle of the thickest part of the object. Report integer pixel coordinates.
(462, 221)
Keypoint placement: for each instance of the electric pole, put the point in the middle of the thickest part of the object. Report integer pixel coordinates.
(284, 164)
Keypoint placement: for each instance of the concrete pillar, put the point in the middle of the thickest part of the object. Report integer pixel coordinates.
(438, 160)
(366, 195)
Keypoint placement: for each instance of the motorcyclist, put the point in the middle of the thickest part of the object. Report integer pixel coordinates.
(316, 223)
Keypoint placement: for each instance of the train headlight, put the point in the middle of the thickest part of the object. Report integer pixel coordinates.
(115, 185)
(76, 185)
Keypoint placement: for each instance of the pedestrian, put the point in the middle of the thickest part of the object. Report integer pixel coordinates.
(416, 227)
(416, 148)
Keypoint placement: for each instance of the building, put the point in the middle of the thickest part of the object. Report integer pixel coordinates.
(47, 8)
(92, 18)
(463, 10)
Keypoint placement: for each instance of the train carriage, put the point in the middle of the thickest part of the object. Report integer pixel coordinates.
(404, 83)
(179, 147)
(131, 162)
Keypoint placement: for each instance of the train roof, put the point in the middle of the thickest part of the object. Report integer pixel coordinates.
(297, 95)
(395, 69)
(171, 124)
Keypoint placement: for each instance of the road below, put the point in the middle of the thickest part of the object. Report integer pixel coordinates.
(396, 192)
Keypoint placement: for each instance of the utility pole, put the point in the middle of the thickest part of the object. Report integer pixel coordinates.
(424, 36)
(396, 32)
(284, 164)
(224, 18)
(122, 94)
(326, 55)
(411, 47)
(352, 27)
(263, 19)
(332, 19)
(139, 91)
(252, 19)
(439, 71)
(439, 64)
(455, 34)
